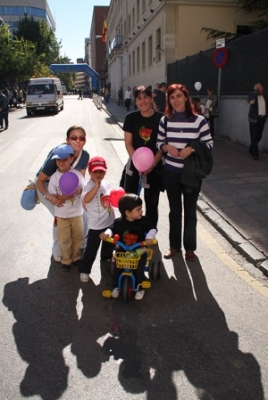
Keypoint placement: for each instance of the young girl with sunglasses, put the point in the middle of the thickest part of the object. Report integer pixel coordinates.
(75, 137)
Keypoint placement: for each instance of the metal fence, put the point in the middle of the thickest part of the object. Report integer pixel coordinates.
(247, 64)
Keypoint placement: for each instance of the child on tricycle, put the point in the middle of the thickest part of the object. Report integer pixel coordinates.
(132, 227)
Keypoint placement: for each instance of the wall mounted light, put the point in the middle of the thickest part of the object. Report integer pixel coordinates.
(152, 10)
(125, 42)
(134, 33)
(144, 19)
(139, 27)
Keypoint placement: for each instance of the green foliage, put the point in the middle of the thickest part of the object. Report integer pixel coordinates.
(29, 53)
(44, 38)
(67, 79)
(248, 6)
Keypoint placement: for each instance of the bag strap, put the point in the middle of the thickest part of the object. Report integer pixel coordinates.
(77, 160)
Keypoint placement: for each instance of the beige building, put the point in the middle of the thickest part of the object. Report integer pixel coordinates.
(145, 35)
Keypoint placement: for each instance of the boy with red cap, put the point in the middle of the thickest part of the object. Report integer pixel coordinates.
(100, 214)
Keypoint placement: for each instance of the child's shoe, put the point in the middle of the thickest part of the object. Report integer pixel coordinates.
(139, 294)
(115, 293)
(84, 277)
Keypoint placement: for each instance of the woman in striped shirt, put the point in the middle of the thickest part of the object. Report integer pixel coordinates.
(179, 131)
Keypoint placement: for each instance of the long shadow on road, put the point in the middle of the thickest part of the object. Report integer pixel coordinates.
(178, 327)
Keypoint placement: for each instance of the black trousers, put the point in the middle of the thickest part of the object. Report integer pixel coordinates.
(256, 130)
(151, 195)
(93, 244)
(127, 103)
(180, 195)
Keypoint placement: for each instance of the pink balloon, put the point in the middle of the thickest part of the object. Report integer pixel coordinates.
(143, 158)
(115, 196)
(68, 183)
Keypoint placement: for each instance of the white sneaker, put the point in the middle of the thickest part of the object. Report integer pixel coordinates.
(139, 294)
(56, 258)
(84, 277)
(115, 293)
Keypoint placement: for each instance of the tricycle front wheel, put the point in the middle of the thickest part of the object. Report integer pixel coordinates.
(126, 288)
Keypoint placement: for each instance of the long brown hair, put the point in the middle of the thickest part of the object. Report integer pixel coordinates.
(188, 105)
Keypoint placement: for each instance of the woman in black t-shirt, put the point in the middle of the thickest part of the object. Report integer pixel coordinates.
(141, 129)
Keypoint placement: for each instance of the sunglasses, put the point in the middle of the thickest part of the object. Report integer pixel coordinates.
(80, 138)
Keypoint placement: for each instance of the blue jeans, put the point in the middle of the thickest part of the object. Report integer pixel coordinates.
(180, 195)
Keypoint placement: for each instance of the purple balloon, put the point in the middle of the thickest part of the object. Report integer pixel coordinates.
(143, 158)
(68, 183)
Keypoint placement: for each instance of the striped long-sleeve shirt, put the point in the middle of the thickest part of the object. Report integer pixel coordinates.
(181, 131)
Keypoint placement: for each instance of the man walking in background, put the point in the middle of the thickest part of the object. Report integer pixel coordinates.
(257, 116)
(159, 97)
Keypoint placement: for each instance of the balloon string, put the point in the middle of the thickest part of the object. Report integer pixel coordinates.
(140, 184)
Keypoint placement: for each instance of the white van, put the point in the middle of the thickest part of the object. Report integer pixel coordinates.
(44, 94)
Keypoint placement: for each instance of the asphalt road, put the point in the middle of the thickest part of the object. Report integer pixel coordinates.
(199, 333)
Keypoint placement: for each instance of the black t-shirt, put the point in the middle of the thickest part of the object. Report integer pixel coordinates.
(144, 129)
(131, 232)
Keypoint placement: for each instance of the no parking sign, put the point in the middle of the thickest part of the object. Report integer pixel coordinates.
(220, 57)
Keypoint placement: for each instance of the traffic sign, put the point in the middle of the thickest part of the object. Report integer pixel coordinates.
(220, 57)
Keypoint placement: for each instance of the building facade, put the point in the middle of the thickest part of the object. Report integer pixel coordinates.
(98, 47)
(11, 11)
(144, 36)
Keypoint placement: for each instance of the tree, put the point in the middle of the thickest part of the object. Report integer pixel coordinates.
(248, 6)
(42, 36)
(67, 79)
(17, 58)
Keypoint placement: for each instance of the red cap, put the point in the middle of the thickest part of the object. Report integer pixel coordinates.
(96, 164)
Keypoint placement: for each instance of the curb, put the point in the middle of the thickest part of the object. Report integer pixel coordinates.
(242, 245)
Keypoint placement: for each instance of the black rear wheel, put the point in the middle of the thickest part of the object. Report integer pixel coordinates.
(154, 270)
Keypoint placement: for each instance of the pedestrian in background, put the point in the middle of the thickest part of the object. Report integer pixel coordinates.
(80, 92)
(159, 97)
(4, 108)
(127, 98)
(120, 97)
(181, 133)
(257, 116)
(211, 107)
(68, 214)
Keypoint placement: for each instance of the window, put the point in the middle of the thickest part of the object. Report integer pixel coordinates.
(133, 17)
(129, 64)
(150, 51)
(143, 6)
(158, 46)
(138, 59)
(133, 63)
(143, 56)
(138, 11)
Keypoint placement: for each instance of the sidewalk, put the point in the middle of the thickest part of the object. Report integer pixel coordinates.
(234, 198)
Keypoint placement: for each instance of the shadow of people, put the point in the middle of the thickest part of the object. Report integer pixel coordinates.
(179, 335)
(45, 313)
(91, 326)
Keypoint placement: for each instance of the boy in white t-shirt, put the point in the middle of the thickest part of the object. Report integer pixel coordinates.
(100, 215)
(69, 214)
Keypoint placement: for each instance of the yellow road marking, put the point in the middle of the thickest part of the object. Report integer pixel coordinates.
(230, 263)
